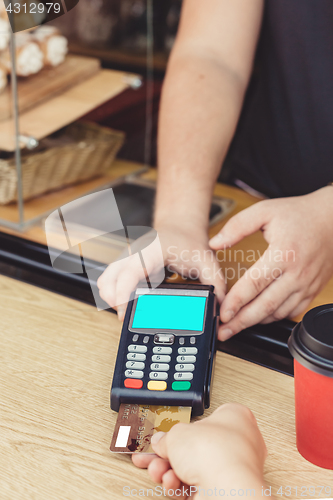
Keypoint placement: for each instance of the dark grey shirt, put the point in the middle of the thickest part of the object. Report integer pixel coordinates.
(283, 145)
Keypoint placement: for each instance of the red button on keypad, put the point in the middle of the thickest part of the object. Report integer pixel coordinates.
(133, 383)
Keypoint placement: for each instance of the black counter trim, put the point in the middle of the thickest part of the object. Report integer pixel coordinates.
(29, 262)
(265, 345)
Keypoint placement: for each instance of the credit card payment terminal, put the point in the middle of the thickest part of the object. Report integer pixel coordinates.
(167, 348)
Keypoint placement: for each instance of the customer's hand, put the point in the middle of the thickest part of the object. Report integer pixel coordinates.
(224, 451)
(185, 251)
(294, 268)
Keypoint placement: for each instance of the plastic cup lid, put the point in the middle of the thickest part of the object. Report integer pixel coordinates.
(311, 341)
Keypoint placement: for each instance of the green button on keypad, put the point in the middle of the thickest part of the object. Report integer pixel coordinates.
(182, 385)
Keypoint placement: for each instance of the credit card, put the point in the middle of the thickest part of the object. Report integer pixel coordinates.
(136, 424)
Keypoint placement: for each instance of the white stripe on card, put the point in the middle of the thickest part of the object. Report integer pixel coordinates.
(122, 437)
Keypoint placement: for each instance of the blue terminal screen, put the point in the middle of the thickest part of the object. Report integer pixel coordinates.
(170, 312)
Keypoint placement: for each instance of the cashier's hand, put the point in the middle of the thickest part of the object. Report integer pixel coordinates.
(294, 268)
(185, 251)
(225, 451)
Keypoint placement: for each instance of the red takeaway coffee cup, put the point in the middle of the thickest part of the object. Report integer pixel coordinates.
(311, 345)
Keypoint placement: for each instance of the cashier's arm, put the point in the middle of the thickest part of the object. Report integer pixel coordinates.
(206, 80)
(202, 97)
(203, 93)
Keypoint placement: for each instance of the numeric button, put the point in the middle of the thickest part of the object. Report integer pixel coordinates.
(186, 359)
(184, 367)
(187, 350)
(157, 358)
(135, 365)
(183, 376)
(136, 356)
(134, 374)
(162, 350)
(159, 367)
(158, 375)
(137, 348)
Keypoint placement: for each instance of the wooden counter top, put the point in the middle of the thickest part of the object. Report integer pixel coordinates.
(56, 361)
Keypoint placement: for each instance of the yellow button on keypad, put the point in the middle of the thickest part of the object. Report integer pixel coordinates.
(157, 385)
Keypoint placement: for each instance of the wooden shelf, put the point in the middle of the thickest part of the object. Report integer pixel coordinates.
(48, 83)
(72, 104)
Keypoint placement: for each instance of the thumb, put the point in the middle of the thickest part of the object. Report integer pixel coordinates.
(243, 224)
(159, 444)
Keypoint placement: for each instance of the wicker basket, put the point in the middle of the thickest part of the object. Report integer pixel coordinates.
(79, 152)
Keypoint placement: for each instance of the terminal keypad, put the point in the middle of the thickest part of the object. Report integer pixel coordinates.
(157, 361)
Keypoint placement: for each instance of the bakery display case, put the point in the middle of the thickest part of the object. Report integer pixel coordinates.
(49, 154)
(57, 141)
